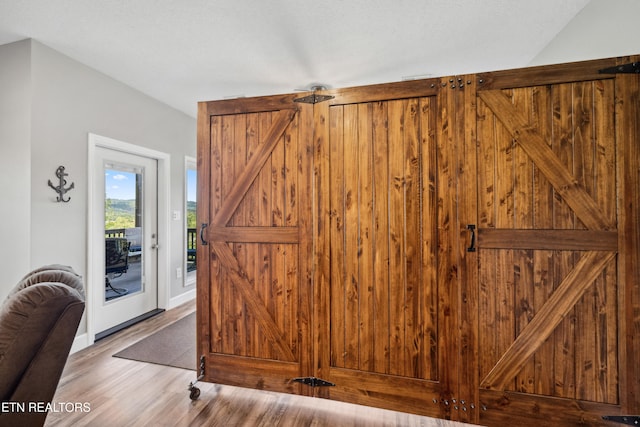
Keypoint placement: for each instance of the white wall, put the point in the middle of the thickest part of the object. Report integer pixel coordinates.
(15, 163)
(603, 29)
(68, 101)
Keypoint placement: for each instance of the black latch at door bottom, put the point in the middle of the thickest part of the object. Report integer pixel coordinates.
(313, 382)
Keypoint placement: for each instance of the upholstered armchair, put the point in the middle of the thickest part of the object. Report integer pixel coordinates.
(38, 323)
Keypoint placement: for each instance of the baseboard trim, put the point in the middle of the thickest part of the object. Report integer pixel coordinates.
(80, 342)
(182, 298)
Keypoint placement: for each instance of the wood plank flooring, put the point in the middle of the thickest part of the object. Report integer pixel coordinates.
(119, 392)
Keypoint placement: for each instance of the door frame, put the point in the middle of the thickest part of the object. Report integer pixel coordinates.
(164, 170)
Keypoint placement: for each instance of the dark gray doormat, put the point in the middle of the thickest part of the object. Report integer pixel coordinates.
(174, 345)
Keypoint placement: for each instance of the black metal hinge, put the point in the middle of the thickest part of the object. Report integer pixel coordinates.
(632, 420)
(314, 99)
(313, 382)
(631, 68)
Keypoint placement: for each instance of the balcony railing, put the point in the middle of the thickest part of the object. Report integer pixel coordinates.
(192, 241)
(114, 232)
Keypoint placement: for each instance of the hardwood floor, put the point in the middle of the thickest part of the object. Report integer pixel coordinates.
(97, 389)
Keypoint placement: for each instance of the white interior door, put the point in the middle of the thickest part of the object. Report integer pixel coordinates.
(125, 237)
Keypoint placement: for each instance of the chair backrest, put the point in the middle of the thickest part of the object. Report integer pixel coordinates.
(38, 323)
(116, 255)
(50, 274)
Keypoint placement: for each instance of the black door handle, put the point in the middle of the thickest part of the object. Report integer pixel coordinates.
(472, 246)
(202, 227)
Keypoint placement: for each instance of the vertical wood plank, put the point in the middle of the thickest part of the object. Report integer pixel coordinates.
(337, 255)
(291, 216)
(468, 214)
(322, 357)
(429, 296)
(487, 175)
(413, 339)
(448, 238)
(523, 262)
(351, 232)
(205, 192)
(252, 209)
(605, 195)
(226, 288)
(366, 279)
(306, 256)
(564, 218)
(586, 311)
(462, 213)
(505, 218)
(397, 276)
(265, 262)
(239, 315)
(381, 242)
(215, 278)
(279, 251)
(627, 94)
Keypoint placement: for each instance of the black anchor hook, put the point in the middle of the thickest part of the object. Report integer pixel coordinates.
(60, 189)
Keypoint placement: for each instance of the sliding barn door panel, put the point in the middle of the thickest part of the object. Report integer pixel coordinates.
(382, 296)
(258, 274)
(388, 187)
(548, 252)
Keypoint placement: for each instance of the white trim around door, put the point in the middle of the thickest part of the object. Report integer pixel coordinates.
(95, 279)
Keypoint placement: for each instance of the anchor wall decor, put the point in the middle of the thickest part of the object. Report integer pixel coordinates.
(60, 189)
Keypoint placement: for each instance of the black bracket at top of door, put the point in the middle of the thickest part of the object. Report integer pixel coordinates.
(630, 68)
(313, 382)
(314, 99)
(632, 420)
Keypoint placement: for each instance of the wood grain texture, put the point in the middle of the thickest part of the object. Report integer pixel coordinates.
(252, 301)
(376, 215)
(547, 239)
(249, 171)
(499, 408)
(628, 136)
(258, 236)
(352, 234)
(468, 384)
(536, 147)
(530, 238)
(544, 75)
(547, 318)
(254, 234)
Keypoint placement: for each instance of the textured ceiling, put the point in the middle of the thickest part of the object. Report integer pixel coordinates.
(184, 51)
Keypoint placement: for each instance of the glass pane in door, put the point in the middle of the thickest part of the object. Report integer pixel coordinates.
(123, 231)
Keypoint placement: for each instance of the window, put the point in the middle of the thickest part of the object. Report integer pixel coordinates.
(191, 224)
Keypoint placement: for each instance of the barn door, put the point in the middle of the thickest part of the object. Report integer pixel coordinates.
(464, 248)
(549, 284)
(254, 288)
(391, 263)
